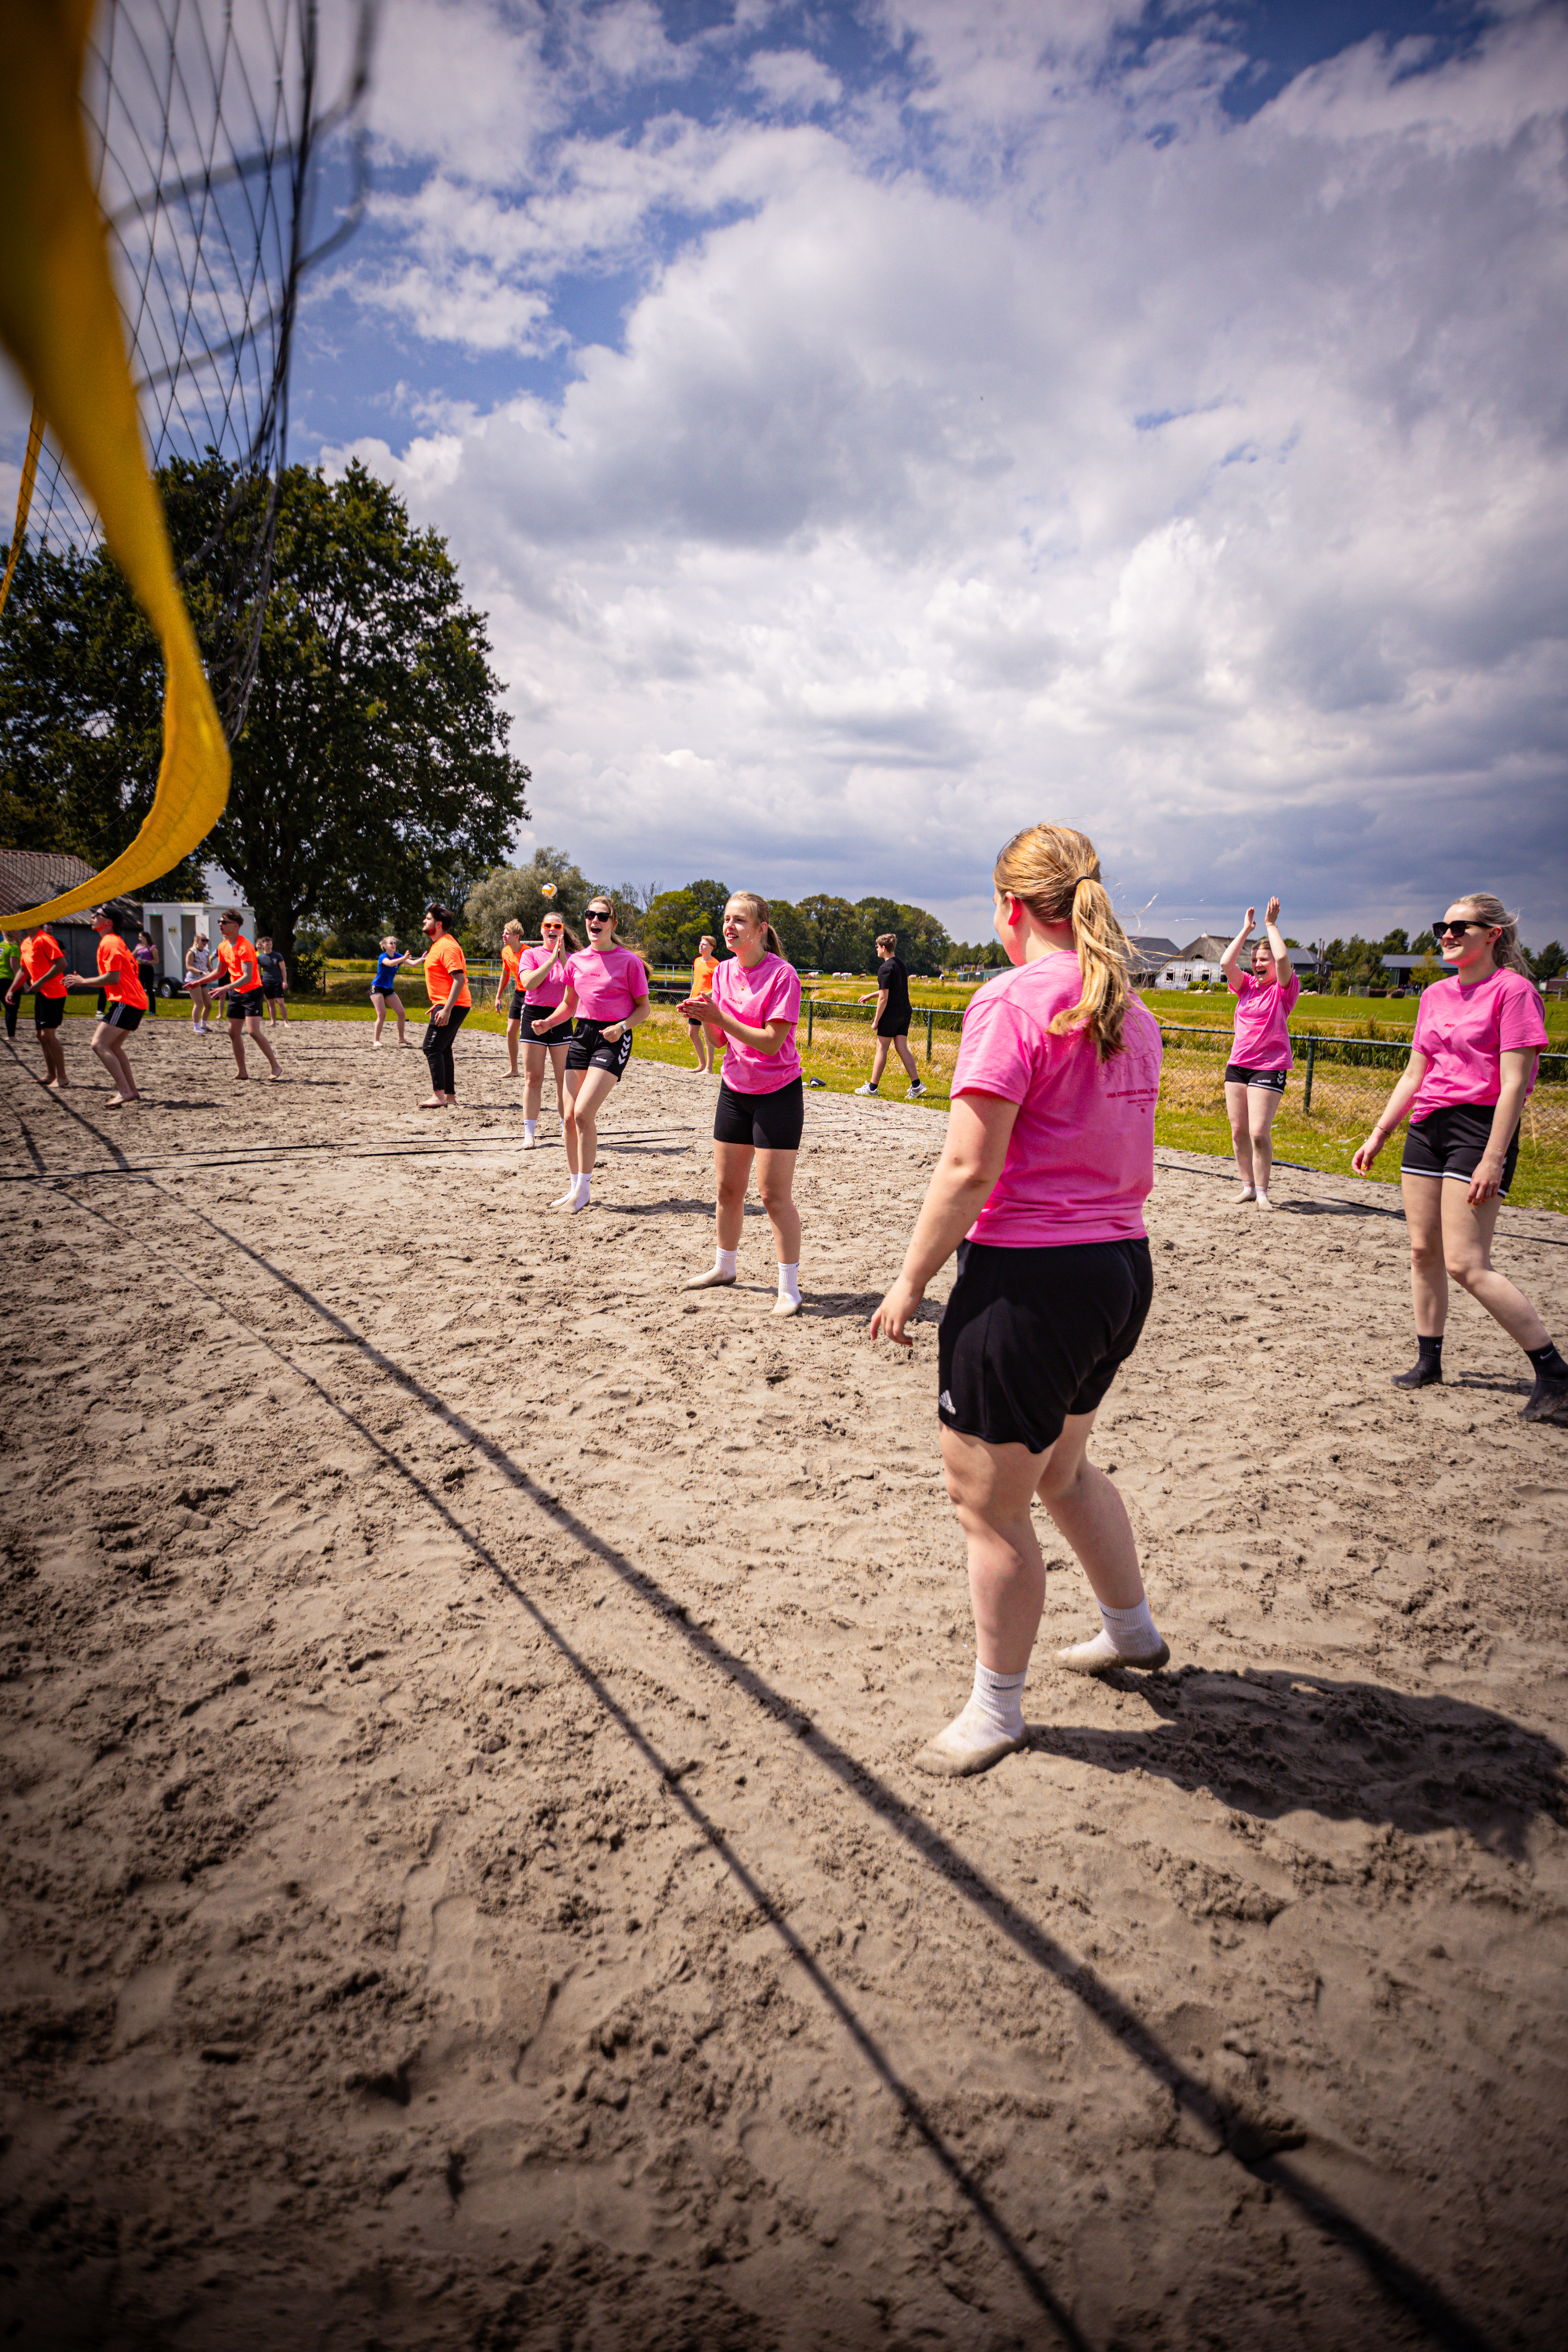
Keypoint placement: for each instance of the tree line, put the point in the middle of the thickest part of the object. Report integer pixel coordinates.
(1355, 965)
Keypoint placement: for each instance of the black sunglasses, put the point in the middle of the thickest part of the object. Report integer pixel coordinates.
(1443, 927)
(593, 916)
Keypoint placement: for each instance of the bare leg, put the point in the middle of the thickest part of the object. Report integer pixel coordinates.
(1468, 1255)
(236, 1039)
(879, 1060)
(902, 1047)
(775, 1181)
(111, 1052)
(700, 1043)
(254, 1028)
(512, 1031)
(380, 1004)
(534, 1074)
(1235, 1107)
(733, 1173)
(1423, 1198)
(991, 1488)
(591, 1092)
(54, 1059)
(1262, 1110)
(402, 1019)
(558, 1064)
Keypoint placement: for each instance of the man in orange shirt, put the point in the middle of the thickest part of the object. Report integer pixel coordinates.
(125, 1001)
(243, 985)
(447, 978)
(704, 964)
(43, 971)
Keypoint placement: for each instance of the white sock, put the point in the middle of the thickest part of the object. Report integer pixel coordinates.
(1249, 1191)
(998, 1701)
(1263, 1200)
(1133, 1630)
(789, 1280)
(724, 1261)
(580, 1185)
(529, 1124)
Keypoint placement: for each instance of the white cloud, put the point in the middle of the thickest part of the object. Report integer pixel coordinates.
(1206, 487)
(794, 78)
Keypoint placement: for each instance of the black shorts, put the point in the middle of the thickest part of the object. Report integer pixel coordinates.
(1237, 1073)
(588, 1050)
(526, 1015)
(246, 1007)
(126, 1018)
(273, 995)
(1450, 1143)
(893, 1025)
(49, 1011)
(766, 1122)
(1029, 1335)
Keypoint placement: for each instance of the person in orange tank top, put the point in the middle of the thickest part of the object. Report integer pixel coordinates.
(447, 978)
(704, 964)
(125, 1001)
(242, 984)
(43, 963)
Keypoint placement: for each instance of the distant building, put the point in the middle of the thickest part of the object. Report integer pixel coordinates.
(30, 877)
(1150, 954)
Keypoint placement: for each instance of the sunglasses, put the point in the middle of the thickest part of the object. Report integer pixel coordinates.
(593, 916)
(1445, 929)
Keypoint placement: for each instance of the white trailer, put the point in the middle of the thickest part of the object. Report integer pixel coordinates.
(173, 924)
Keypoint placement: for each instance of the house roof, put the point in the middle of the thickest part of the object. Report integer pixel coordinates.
(30, 877)
(1152, 947)
(1206, 949)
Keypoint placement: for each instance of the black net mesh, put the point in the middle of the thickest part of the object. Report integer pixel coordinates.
(208, 121)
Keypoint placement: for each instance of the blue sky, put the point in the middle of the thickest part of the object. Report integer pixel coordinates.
(872, 427)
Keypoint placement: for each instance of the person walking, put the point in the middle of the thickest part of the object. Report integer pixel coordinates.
(124, 999)
(512, 939)
(704, 964)
(606, 995)
(1472, 1066)
(1260, 1055)
(753, 1005)
(274, 981)
(241, 986)
(1049, 1158)
(198, 973)
(447, 979)
(146, 956)
(541, 989)
(389, 962)
(890, 1021)
(43, 963)
(10, 968)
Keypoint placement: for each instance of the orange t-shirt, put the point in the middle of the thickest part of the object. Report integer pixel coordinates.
(444, 964)
(703, 971)
(509, 960)
(237, 958)
(38, 954)
(120, 973)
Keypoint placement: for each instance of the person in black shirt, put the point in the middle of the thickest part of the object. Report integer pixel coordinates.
(892, 1018)
(274, 981)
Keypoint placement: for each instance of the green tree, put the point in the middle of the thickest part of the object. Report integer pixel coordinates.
(372, 773)
(516, 893)
(1549, 963)
(795, 935)
(837, 933)
(924, 943)
(675, 921)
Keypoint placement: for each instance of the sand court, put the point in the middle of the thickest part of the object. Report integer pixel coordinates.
(465, 1879)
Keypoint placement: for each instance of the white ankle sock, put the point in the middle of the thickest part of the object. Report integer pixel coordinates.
(580, 1185)
(999, 1700)
(724, 1261)
(1249, 1191)
(789, 1280)
(1133, 1630)
(529, 1126)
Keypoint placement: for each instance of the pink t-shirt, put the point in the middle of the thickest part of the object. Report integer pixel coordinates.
(1080, 1158)
(1262, 1041)
(769, 991)
(608, 981)
(541, 992)
(1462, 1030)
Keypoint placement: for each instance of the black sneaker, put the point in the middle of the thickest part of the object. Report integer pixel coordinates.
(1421, 1376)
(1548, 1400)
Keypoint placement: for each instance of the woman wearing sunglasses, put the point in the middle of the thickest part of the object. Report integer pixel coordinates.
(606, 996)
(540, 987)
(1472, 1064)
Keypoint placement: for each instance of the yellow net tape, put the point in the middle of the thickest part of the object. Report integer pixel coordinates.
(60, 322)
(24, 498)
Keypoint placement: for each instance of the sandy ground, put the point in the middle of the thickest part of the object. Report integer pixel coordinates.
(464, 1879)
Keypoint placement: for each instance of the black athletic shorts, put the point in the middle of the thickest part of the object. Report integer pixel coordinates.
(1031, 1335)
(526, 1014)
(588, 1050)
(767, 1122)
(49, 1011)
(272, 995)
(1237, 1073)
(1450, 1143)
(246, 1007)
(893, 1025)
(126, 1018)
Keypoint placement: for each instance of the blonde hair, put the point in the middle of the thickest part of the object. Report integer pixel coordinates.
(389, 944)
(1055, 871)
(758, 909)
(1484, 907)
(512, 931)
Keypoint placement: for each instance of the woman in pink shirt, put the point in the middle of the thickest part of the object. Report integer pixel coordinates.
(756, 1005)
(606, 995)
(1260, 1054)
(1472, 1064)
(540, 989)
(1049, 1160)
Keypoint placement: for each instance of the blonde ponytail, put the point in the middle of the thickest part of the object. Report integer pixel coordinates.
(1483, 907)
(1054, 871)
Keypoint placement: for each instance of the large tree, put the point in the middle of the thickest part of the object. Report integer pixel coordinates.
(371, 773)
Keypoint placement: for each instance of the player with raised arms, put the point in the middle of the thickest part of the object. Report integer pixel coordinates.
(541, 988)
(1049, 1158)
(1260, 1055)
(1472, 1064)
(606, 995)
(43, 964)
(754, 1006)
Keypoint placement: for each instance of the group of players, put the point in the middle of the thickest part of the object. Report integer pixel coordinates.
(1046, 1166)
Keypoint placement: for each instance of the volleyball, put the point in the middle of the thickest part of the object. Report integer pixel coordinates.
(548, 889)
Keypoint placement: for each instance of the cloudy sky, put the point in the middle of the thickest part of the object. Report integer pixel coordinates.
(872, 426)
